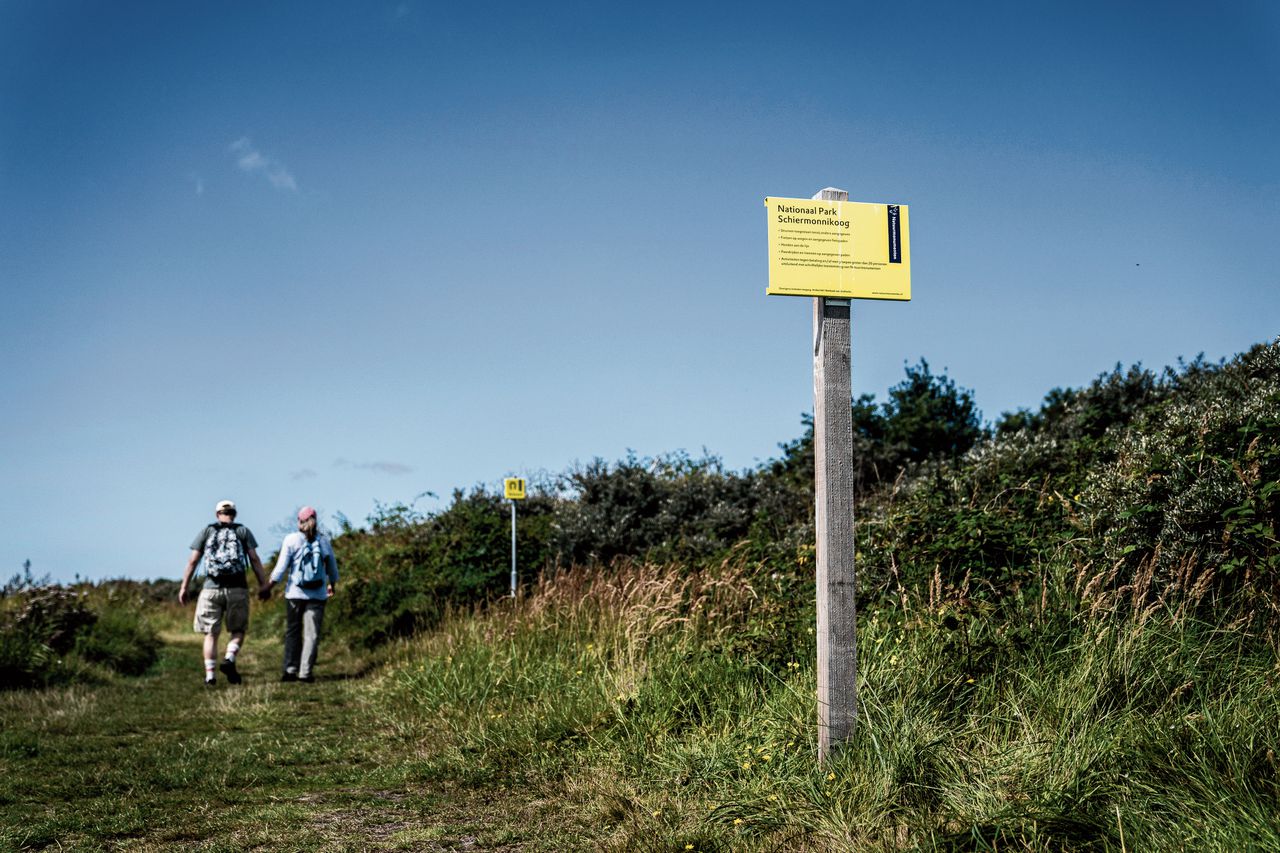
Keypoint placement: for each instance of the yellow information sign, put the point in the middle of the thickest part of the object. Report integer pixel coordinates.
(838, 249)
(513, 488)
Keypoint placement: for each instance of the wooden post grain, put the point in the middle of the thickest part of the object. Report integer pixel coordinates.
(833, 494)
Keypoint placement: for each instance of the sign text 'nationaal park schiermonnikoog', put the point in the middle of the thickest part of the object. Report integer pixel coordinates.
(838, 249)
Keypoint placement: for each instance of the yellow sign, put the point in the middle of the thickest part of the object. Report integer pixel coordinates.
(838, 249)
(513, 488)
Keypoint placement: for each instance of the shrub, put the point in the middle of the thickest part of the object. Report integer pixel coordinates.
(1139, 482)
(120, 640)
(1190, 503)
(672, 507)
(401, 574)
(1152, 490)
(48, 633)
(404, 571)
(927, 417)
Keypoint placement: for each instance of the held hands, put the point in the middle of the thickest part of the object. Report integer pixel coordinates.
(264, 590)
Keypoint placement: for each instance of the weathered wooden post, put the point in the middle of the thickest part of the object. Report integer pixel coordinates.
(834, 250)
(833, 517)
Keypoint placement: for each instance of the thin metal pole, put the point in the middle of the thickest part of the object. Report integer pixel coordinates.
(513, 549)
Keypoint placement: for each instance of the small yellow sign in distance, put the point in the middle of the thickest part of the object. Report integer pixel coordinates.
(513, 488)
(838, 249)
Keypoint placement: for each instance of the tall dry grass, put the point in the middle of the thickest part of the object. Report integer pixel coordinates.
(1042, 729)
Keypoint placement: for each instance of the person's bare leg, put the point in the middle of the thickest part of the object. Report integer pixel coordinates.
(210, 655)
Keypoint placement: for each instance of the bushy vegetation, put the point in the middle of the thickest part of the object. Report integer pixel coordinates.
(52, 634)
(1067, 637)
(1067, 641)
(1150, 491)
(405, 567)
(401, 573)
(1144, 487)
(926, 417)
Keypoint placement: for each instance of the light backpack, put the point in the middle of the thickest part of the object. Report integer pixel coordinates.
(310, 572)
(224, 554)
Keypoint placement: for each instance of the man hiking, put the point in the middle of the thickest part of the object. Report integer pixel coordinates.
(228, 548)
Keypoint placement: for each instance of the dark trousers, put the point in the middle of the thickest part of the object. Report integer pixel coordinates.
(302, 636)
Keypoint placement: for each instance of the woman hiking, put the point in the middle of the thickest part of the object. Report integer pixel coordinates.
(307, 557)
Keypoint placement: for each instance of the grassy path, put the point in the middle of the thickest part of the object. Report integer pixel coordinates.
(161, 762)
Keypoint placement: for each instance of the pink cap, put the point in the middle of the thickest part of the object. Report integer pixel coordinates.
(305, 513)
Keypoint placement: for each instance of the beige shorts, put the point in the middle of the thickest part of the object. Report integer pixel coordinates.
(215, 605)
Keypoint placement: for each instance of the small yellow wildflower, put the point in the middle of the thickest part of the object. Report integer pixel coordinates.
(737, 821)
(579, 672)
(773, 796)
(746, 765)
(766, 757)
(657, 812)
(968, 681)
(688, 847)
(831, 777)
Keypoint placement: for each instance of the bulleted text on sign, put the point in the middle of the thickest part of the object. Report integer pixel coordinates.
(838, 249)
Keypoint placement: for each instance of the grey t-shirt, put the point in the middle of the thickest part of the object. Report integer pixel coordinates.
(237, 580)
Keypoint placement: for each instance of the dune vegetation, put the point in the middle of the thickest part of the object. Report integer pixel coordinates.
(1067, 640)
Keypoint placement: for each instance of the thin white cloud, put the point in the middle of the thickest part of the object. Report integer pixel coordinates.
(282, 180)
(394, 468)
(304, 474)
(251, 160)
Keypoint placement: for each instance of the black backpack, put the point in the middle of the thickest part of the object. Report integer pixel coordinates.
(224, 552)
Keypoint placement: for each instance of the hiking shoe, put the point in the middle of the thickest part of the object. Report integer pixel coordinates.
(289, 676)
(228, 668)
(307, 679)
(211, 682)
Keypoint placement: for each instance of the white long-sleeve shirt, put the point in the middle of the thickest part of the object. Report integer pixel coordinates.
(292, 551)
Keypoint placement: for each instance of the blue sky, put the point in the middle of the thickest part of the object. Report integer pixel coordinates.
(339, 254)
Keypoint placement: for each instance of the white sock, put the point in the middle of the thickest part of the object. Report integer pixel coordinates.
(209, 666)
(233, 648)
